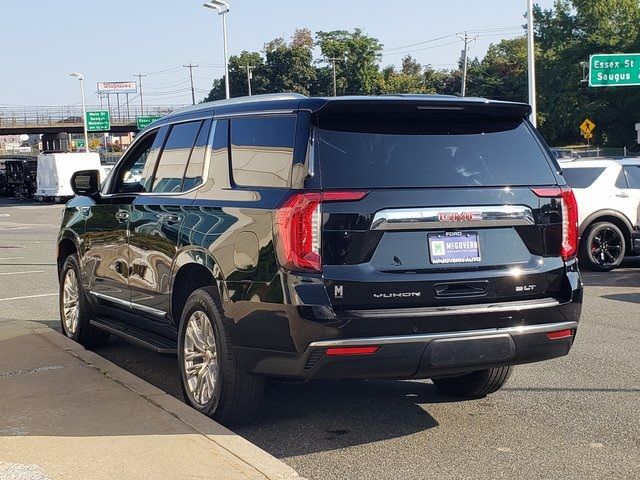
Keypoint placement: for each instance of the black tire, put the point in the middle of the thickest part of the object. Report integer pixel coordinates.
(85, 334)
(475, 384)
(610, 255)
(236, 393)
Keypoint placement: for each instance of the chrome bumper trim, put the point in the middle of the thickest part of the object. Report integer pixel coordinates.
(452, 217)
(426, 338)
(518, 306)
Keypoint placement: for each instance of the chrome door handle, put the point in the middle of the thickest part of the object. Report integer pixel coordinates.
(622, 195)
(122, 216)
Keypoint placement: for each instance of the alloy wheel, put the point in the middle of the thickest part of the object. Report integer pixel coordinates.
(200, 357)
(606, 247)
(70, 306)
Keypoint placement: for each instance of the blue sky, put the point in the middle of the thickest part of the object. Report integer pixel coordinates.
(42, 41)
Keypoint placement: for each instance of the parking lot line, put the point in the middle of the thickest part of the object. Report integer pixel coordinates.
(28, 296)
(11, 258)
(21, 273)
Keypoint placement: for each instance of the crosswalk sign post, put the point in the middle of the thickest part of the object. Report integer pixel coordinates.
(586, 128)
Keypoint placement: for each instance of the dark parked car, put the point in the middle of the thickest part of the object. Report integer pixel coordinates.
(21, 174)
(355, 237)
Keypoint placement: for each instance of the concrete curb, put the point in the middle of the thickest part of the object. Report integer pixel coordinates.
(247, 452)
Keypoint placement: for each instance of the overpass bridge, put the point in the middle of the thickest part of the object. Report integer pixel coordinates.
(68, 118)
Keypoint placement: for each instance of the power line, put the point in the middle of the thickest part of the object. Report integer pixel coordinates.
(419, 49)
(420, 43)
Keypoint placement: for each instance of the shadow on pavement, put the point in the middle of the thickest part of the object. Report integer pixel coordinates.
(624, 297)
(350, 412)
(628, 275)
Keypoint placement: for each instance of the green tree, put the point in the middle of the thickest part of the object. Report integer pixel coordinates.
(567, 35)
(238, 85)
(502, 73)
(289, 65)
(357, 70)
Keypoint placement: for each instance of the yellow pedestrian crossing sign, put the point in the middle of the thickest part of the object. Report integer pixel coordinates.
(587, 127)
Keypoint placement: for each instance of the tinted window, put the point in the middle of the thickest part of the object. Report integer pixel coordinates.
(174, 157)
(633, 176)
(581, 177)
(262, 150)
(428, 150)
(621, 181)
(135, 171)
(195, 168)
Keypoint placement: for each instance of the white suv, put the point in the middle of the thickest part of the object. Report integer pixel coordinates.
(608, 195)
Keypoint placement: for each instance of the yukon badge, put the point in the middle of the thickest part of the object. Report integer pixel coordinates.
(396, 295)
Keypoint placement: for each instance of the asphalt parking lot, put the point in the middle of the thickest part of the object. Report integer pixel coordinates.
(576, 417)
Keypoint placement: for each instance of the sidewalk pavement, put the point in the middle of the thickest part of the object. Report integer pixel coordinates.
(67, 413)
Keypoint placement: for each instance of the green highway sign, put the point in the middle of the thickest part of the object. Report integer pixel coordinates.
(617, 70)
(98, 121)
(144, 120)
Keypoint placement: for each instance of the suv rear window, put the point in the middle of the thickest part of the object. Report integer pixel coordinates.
(435, 149)
(581, 177)
(262, 150)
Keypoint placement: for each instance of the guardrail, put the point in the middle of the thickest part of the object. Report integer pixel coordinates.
(72, 114)
(566, 153)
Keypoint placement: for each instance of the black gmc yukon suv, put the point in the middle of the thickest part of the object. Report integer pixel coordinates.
(352, 237)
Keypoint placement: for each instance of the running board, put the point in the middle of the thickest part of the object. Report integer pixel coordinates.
(137, 336)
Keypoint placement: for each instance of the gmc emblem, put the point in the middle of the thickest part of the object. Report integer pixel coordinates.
(459, 216)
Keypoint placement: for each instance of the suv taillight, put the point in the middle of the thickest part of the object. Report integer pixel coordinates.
(569, 207)
(298, 227)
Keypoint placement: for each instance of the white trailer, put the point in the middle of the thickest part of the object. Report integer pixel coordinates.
(55, 171)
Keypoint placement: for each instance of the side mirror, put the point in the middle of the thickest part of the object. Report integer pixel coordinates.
(86, 183)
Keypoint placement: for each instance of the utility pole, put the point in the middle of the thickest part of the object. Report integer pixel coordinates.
(140, 76)
(191, 66)
(465, 60)
(333, 61)
(531, 60)
(249, 68)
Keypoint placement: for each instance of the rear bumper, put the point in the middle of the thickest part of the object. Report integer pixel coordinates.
(417, 356)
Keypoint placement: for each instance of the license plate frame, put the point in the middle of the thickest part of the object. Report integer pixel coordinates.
(454, 248)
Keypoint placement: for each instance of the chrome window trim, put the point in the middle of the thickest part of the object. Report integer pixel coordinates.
(430, 218)
(517, 306)
(426, 338)
(205, 174)
(132, 305)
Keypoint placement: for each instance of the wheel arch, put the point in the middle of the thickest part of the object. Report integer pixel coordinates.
(66, 245)
(612, 216)
(193, 268)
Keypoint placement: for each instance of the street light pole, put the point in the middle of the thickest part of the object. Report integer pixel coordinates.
(531, 64)
(80, 77)
(223, 8)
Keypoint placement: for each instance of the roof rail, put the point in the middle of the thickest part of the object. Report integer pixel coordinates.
(241, 100)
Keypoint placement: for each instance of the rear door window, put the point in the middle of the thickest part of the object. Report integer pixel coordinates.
(581, 177)
(195, 168)
(262, 150)
(174, 157)
(633, 176)
(389, 150)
